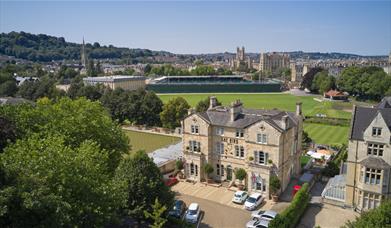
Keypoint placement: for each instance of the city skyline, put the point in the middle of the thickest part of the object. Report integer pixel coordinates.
(362, 28)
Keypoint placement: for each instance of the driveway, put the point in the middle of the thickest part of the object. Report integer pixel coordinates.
(218, 215)
(219, 195)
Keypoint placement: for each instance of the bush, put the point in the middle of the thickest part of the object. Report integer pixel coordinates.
(240, 174)
(291, 215)
(275, 184)
(179, 165)
(379, 217)
(208, 169)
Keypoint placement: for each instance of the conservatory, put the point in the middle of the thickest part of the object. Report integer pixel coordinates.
(334, 192)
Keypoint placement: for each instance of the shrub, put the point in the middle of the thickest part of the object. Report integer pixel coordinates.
(275, 184)
(379, 217)
(291, 215)
(240, 174)
(208, 169)
(179, 165)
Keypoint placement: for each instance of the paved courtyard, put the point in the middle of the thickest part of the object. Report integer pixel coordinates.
(219, 195)
(327, 216)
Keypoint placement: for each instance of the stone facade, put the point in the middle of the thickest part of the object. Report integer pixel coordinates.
(118, 81)
(272, 62)
(262, 142)
(369, 157)
(240, 62)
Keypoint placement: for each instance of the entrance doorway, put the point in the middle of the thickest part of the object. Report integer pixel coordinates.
(229, 173)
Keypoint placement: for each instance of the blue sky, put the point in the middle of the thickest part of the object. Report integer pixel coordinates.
(358, 27)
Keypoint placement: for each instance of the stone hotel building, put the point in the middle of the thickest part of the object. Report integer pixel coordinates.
(263, 142)
(117, 81)
(368, 179)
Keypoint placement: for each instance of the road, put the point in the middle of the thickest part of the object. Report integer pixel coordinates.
(218, 215)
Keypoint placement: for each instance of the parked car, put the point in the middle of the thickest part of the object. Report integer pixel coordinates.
(266, 215)
(178, 209)
(253, 201)
(170, 181)
(240, 197)
(257, 223)
(193, 213)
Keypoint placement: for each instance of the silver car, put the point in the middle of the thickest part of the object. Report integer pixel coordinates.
(266, 215)
(257, 223)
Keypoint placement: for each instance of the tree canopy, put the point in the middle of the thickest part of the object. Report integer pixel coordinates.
(143, 183)
(173, 112)
(56, 185)
(379, 217)
(203, 105)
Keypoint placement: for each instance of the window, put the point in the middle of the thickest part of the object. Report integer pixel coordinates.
(194, 146)
(219, 131)
(371, 201)
(260, 157)
(217, 169)
(239, 133)
(239, 151)
(222, 170)
(376, 131)
(219, 149)
(375, 149)
(262, 138)
(372, 176)
(194, 129)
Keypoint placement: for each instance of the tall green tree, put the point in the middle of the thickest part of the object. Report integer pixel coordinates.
(157, 215)
(203, 105)
(7, 132)
(322, 82)
(77, 120)
(173, 112)
(143, 183)
(54, 185)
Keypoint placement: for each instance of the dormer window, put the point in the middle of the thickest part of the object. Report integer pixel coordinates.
(220, 131)
(194, 129)
(262, 138)
(239, 133)
(376, 131)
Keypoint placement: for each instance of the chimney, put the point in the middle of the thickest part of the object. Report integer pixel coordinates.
(298, 109)
(190, 111)
(235, 109)
(284, 122)
(212, 102)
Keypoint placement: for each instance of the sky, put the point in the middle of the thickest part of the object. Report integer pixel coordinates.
(193, 27)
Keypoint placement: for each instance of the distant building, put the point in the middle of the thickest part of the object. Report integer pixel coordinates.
(118, 81)
(368, 180)
(241, 62)
(335, 95)
(272, 62)
(296, 72)
(262, 142)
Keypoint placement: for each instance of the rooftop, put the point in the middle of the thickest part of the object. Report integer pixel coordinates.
(114, 78)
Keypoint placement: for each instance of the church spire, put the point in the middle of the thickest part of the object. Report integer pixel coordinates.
(83, 54)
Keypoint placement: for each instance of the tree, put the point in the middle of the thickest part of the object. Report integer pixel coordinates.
(173, 112)
(76, 120)
(7, 84)
(240, 174)
(309, 77)
(203, 105)
(7, 132)
(322, 82)
(275, 184)
(305, 140)
(378, 217)
(44, 87)
(143, 184)
(156, 215)
(56, 185)
(208, 169)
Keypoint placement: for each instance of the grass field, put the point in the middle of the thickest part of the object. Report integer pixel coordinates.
(270, 101)
(327, 134)
(149, 142)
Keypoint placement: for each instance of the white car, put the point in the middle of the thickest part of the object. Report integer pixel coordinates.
(193, 213)
(240, 197)
(253, 201)
(266, 215)
(258, 223)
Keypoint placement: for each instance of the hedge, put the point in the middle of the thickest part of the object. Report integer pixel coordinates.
(291, 215)
(327, 121)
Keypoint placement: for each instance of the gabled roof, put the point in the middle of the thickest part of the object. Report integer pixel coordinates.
(385, 103)
(374, 162)
(363, 116)
(334, 93)
(221, 116)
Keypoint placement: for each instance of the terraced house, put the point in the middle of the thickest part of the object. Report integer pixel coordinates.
(263, 142)
(369, 157)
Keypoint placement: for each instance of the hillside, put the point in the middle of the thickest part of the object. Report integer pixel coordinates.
(46, 48)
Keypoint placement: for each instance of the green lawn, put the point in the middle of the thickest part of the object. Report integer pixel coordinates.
(149, 142)
(304, 160)
(327, 134)
(269, 101)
